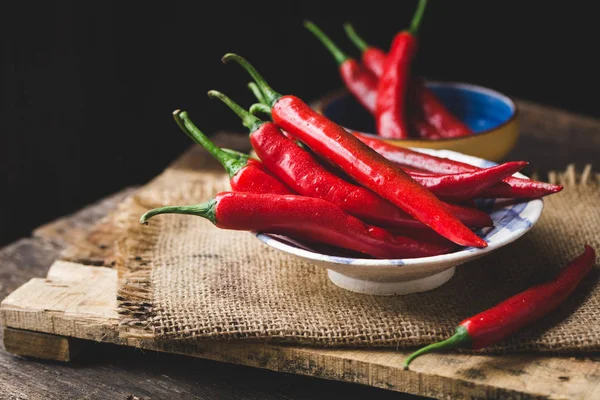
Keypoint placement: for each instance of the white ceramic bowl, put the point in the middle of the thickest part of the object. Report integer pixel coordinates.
(403, 276)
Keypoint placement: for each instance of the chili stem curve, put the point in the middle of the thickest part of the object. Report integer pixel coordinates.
(415, 23)
(260, 108)
(355, 38)
(205, 210)
(232, 164)
(460, 339)
(248, 120)
(256, 92)
(271, 96)
(336, 52)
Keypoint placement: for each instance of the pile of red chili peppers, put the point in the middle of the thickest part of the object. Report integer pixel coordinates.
(401, 104)
(318, 183)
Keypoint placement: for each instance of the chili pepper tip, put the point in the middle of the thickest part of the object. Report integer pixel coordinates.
(260, 108)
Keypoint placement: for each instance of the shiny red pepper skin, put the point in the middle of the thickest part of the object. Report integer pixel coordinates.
(361, 83)
(493, 325)
(435, 112)
(510, 188)
(361, 163)
(374, 60)
(368, 168)
(254, 179)
(390, 112)
(467, 185)
(315, 219)
(422, 127)
(300, 171)
(528, 306)
(303, 218)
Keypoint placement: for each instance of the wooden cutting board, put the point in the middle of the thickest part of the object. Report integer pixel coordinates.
(54, 318)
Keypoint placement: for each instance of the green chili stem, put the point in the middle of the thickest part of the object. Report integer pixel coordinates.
(237, 154)
(417, 18)
(336, 52)
(260, 108)
(460, 339)
(205, 210)
(257, 93)
(231, 164)
(354, 38)
(248, 120)
(271, 96)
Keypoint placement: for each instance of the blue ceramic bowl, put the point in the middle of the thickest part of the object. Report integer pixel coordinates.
(490, 114)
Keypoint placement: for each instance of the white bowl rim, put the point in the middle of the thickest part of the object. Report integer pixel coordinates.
(456, 257)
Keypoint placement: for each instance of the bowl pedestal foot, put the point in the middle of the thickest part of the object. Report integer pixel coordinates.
(386, 288)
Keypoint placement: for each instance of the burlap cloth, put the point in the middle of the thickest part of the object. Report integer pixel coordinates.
(183, 278)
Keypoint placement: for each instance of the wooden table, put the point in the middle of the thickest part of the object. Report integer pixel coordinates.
(551, 139)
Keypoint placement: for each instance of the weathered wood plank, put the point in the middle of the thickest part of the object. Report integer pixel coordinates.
(42, 345)
(78, 301)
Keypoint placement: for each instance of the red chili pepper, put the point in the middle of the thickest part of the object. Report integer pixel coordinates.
(372, 57)
(363, 84)
(303, 218)
(435, 116)
(298, 169)
(418, 124)
(246, 175)
(359, 81)
(436, 113)
(467, 185)
(493, 325)
(510, 188)
(361, 163)
(390, 114)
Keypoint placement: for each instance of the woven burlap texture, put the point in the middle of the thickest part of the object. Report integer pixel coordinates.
(184, 278)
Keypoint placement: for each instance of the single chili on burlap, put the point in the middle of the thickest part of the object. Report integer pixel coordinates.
(303, 218)
(298, 169)
(493, 325)
(361, 163)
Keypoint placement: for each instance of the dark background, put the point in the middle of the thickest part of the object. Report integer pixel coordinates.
(88, 87)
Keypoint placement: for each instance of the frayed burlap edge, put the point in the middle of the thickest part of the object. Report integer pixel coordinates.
(134, 260)
(134, 263)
